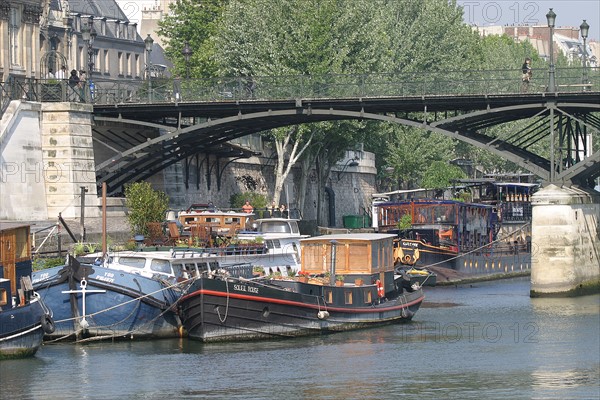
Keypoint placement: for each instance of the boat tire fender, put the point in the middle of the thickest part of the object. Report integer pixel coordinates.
(48, 324)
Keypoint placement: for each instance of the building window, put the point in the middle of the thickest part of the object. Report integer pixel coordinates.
(128, 64)
(120, 59)
(136, 66)
(94, 60)
(13, 36)
(106, 64)
(82, 59)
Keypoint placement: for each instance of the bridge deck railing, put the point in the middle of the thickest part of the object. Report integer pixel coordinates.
(269, 88)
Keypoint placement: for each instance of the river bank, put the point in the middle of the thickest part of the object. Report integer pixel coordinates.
(450, 277)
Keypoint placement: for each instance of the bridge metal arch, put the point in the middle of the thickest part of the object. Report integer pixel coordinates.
(224, 129)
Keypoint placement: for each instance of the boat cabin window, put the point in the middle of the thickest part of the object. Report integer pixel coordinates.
(328, 296)
(135, 262)
(368, 296)
(233, 221)
(179, 271)
(202, 267)
(275, 227)
(273, 243)
(3, 297)
(160, 266)
(348, 297)
(190, 269)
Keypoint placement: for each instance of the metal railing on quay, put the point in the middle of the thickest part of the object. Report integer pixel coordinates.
(271, 88)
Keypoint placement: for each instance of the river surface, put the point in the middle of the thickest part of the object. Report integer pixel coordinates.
(481, 341)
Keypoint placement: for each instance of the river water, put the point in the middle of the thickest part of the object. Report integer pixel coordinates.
(481, 341)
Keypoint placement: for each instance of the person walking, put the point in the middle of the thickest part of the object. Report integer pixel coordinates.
(82, 85)
(527, 74)
(62, 73)
(74, 86)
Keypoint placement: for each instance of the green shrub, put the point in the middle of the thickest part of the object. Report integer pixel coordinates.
(144, 205)
(405, 222)
(40, 263)
(258, 201)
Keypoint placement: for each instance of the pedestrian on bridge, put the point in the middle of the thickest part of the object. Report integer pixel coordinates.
(527, 74)
(74, 85)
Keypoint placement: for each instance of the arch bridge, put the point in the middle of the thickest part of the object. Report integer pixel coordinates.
(201, 116)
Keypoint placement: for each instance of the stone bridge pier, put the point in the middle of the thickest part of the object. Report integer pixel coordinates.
(47, 156)
(565, 241)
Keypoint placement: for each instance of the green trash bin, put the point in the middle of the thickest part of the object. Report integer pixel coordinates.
(366, 219)
(353, 221)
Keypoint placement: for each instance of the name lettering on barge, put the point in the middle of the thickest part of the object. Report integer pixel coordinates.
(410, 244)
(245, 288)
(108, 277)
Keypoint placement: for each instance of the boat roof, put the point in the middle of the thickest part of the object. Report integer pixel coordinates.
(349, 236)
(6, 225)
(217, 213)
(427, 201)
(155, 254)
(276, 219)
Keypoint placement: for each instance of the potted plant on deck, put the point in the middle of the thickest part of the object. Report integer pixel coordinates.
(303, 276)
(339, 280)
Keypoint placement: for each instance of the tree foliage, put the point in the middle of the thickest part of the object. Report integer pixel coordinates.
(144, 205)
(195, 22)
(441, 175)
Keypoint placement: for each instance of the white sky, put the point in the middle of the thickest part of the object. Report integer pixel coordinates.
(483, 12)
(511, 12)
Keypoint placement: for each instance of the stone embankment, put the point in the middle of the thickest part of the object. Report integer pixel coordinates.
(450, 277)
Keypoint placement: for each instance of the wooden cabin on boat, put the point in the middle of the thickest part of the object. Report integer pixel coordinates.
(367, 256)
(221, 223)
(15, 258)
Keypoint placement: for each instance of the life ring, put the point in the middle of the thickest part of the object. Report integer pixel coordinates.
(380, 291)
(47, 324)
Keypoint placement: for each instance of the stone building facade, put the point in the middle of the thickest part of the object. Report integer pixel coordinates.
(39, 35)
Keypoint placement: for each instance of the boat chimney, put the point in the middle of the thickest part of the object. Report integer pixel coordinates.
(332, 264)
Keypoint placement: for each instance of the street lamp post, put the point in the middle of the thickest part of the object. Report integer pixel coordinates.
(551, 17)
(584, 29)
(88, 34)
(148, 42)
(187, 54)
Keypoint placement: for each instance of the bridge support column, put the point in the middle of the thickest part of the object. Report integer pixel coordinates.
(68, 156)
(565, 242)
